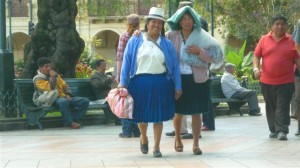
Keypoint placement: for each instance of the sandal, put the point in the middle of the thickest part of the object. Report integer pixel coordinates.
(197, 151)
(178, 148)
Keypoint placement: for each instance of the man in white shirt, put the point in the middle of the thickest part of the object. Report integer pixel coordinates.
(232, 89)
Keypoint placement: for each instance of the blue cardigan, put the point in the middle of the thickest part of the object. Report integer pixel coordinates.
(129, 65)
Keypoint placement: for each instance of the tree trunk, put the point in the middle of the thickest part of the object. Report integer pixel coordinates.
(55, 36)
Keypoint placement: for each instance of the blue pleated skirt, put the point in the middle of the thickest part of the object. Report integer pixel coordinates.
(153, 96)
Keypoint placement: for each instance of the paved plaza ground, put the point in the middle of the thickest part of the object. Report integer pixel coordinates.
(237, 142)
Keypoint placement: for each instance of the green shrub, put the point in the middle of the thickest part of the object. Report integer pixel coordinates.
(242, 62)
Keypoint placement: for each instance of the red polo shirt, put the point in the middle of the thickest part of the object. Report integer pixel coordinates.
(277, 59)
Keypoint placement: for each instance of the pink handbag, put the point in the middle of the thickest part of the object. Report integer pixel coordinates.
(120, 102)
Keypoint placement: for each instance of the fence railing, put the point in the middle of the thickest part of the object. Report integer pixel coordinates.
(254, 86)
(8, 105)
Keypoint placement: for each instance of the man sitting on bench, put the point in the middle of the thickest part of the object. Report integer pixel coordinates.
(232, 89)
(47, 80)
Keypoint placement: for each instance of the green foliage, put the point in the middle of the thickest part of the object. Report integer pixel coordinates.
(85, 66)
(19, 67)
(88, 55)
(19, 64)
(251, 18)
(104, 8)
(83, 70)
(242, 62)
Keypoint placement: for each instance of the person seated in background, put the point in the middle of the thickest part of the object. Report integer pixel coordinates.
(72, 109)
(232, 89)
(101, 84)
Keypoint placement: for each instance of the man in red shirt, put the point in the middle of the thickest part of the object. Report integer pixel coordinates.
(277, 54)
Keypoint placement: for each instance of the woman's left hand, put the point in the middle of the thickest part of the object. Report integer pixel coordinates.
(177, 94)
(192, 49)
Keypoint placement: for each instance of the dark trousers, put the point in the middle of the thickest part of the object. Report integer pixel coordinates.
(278, 99)
(251, 97)
(208, 118)
(129, 127)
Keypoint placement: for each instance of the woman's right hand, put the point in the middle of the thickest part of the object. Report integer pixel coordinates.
(177, 94)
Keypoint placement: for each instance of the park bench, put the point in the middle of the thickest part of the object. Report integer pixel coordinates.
(25, 88)
(218, 97)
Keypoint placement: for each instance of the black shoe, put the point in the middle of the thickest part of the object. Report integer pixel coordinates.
(188, 136)
(273, 135)
(135, 135)
(255, 114)
(157, 153)
(118, 122)
(144, 148)
(173, 133)
(121, 135)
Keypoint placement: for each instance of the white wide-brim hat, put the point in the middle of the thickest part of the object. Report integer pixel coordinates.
(156, 13)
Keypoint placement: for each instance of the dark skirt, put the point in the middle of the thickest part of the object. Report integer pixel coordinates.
(194, 98)
(153, 96)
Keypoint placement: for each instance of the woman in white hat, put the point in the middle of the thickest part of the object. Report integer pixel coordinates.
(197, 51)
(151, 73)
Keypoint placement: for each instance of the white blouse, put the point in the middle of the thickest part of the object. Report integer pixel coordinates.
(150, 59)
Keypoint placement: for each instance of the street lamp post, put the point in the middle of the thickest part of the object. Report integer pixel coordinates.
(7, 98)
(209, 5)
(10, 31)
(212, 16)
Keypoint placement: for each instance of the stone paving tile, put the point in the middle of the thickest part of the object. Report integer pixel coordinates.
(237, 142)
(22, 163)
(87, 163)
(57, 163)
(3, 163)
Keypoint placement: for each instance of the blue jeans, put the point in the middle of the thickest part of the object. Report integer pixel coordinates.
(72, 110)
(129, 127)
